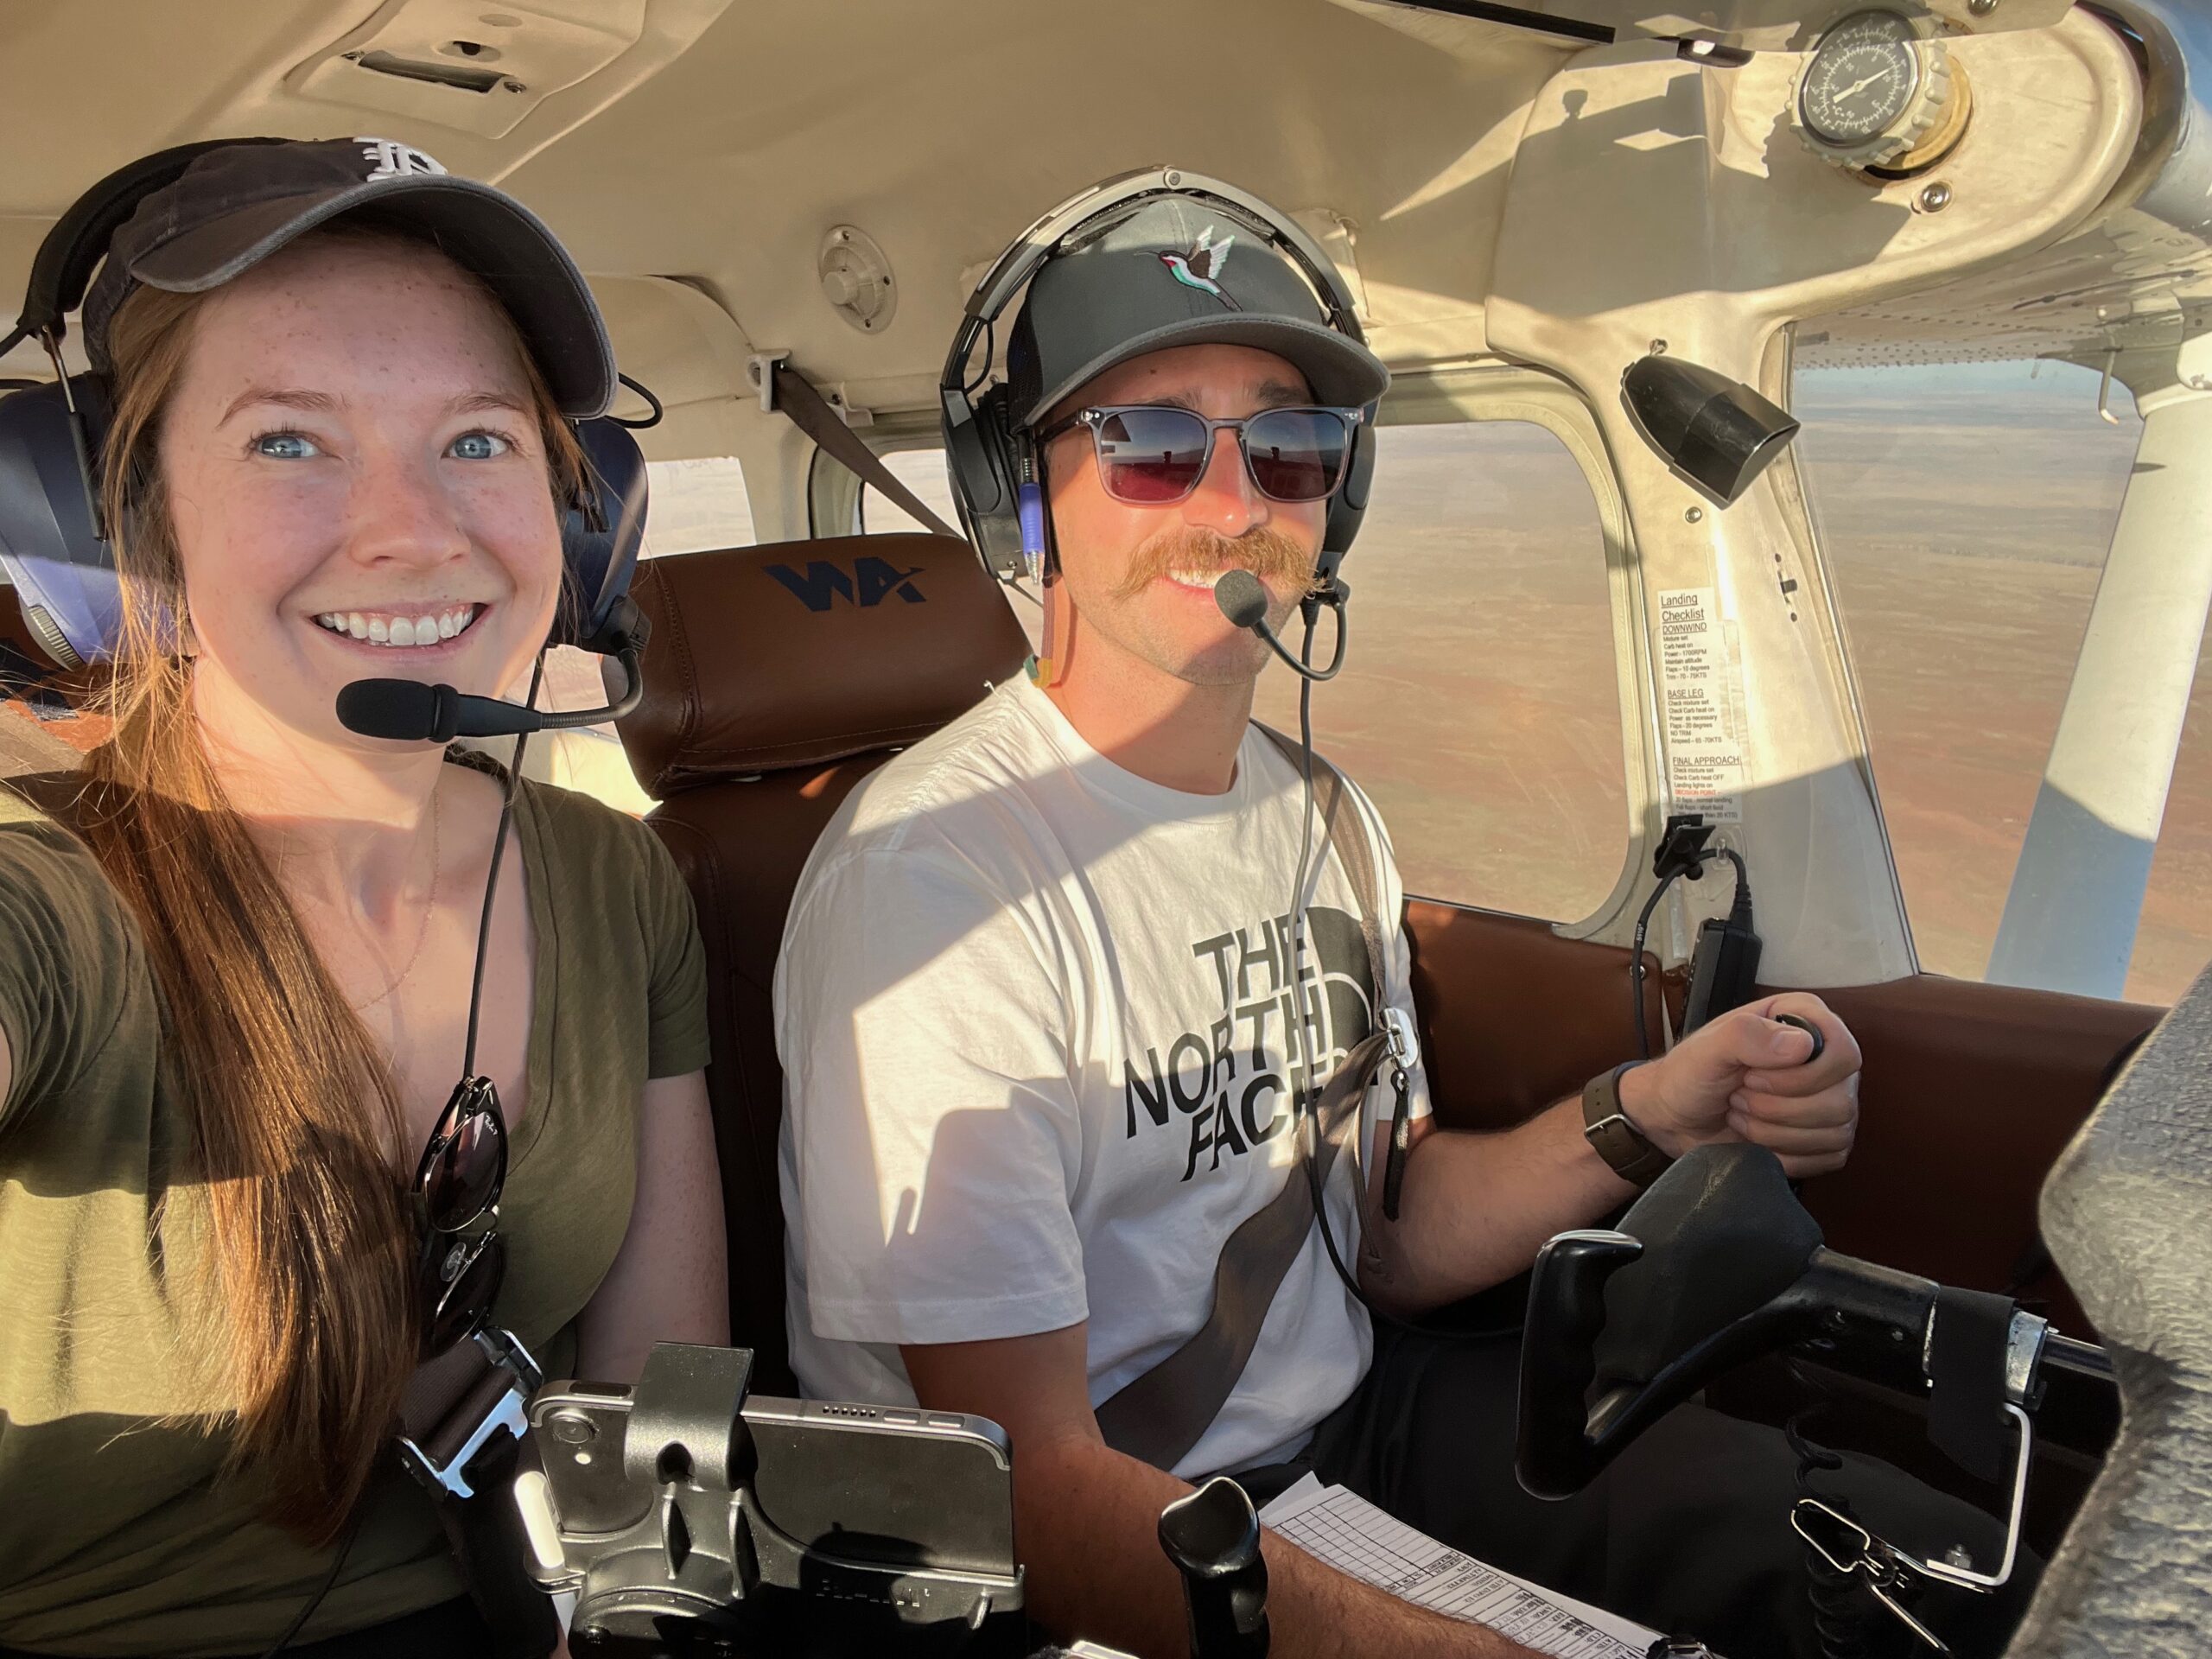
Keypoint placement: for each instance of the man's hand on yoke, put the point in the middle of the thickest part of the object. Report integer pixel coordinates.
(1087, 1519)
(1744, 1077)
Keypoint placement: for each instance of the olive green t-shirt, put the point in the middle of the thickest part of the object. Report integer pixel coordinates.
(117, 1533)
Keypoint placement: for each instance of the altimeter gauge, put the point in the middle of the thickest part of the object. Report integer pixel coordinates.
(1876, 92)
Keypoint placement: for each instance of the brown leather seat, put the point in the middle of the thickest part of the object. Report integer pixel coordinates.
(777, 678)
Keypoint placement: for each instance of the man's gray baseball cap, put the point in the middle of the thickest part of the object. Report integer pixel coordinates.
(234, 206)
(1174, 273)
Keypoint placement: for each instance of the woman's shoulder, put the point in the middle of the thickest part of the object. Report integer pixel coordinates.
(38, 842)
(605, 865)
(588, 827)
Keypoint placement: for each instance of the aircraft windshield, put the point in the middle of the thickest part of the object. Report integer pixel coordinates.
(1965, 513)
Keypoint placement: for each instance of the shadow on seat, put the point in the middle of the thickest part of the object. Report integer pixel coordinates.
(777, 678)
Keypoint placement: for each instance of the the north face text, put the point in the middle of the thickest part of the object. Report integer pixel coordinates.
(1232, 1082)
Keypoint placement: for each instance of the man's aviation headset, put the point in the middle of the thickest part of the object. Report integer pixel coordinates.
(57, 551)
(993, 460)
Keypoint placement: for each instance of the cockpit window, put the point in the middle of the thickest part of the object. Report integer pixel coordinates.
(1479, 706)
(1965, 513)
(697, 504)
(921, 471)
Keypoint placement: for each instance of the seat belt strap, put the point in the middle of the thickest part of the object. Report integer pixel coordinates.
(1355, 849)
(1161, 1414)
(797, 398)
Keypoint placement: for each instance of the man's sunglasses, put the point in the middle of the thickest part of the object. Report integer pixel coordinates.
(1153, 455)
(457, 1183)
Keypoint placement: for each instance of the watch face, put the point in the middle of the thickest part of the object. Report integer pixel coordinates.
(1861, 79)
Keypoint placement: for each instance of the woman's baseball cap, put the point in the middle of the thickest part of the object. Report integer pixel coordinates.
(234, 206)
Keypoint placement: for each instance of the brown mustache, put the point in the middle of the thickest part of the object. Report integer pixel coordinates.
(1267, 553)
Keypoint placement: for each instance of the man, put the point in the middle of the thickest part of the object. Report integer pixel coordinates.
(1037, 1008)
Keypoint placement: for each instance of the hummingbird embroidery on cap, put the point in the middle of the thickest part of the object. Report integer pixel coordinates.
(1198, 268)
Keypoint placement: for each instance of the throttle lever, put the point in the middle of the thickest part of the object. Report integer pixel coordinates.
(1213, 1538)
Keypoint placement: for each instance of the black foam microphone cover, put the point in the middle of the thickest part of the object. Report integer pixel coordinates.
(404, 710)
(1722, 1234)
(1243, 598)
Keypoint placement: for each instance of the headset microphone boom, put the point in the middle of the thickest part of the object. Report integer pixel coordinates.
(1244, 600)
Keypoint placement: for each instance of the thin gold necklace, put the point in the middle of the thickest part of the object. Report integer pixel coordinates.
(422, 933)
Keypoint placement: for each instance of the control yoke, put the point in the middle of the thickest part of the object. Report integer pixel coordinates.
(1717, 1264)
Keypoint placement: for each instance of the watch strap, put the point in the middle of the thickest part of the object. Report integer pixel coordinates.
(1631, 1153)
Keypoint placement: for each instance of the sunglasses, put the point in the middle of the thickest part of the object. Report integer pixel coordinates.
(1153, 455)
(457, 1184)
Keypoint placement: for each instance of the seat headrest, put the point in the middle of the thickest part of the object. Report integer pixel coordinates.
(799, 653)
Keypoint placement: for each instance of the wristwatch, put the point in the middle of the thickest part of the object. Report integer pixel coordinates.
(1619, 1141)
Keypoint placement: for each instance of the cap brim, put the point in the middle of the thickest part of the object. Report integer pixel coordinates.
(1340, 372)
(484, 231)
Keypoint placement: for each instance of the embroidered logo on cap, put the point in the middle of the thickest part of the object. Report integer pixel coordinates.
(394, 159)
(1202, 265)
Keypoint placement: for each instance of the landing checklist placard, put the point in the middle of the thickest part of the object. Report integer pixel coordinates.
(1705, 755)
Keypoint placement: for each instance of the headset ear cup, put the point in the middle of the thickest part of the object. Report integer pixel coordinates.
(598, 558)
(980, 456)
(63, 573)
(1350, 505)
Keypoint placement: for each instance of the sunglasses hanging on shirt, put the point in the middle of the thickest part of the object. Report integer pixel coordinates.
(463, 1167)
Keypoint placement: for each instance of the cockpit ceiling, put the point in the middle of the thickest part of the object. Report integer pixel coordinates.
(721, 139)
(939, 127)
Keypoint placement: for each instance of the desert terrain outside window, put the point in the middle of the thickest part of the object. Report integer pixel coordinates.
(1964, 513)
(1479, 704)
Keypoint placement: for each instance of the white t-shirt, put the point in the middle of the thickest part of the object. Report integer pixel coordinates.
(1033, 1013)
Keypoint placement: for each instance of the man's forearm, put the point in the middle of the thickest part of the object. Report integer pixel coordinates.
(1475, 1208)
(1088, 1520)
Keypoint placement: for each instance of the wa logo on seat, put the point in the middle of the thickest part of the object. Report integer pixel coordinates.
(870, 581)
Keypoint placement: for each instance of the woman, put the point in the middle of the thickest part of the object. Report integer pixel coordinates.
(235, 962)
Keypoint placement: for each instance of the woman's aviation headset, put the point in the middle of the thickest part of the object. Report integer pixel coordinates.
(57, 551)
(992, 459)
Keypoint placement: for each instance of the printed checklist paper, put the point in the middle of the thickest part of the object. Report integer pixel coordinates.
(1354, 1536)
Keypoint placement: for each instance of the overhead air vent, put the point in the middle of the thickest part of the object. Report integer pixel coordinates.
(857, 278)
(463, 64)
(438, 74)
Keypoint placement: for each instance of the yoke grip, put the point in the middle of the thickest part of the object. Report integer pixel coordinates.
(1213, 1538)
(1554, 1456)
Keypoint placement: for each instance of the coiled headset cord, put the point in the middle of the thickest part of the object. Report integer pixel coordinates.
(467, 1069)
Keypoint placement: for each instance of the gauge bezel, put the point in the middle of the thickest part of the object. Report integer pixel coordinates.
(1908, 40)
